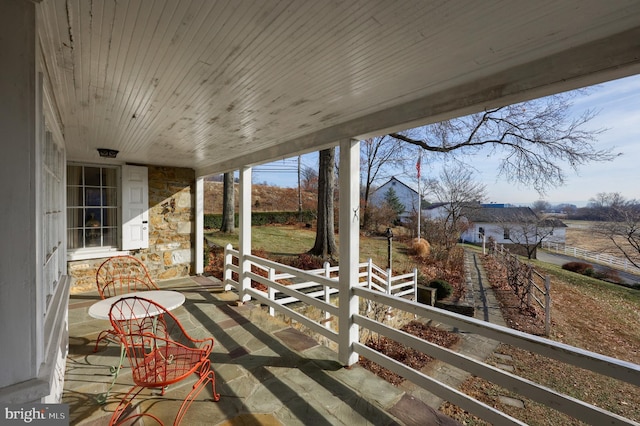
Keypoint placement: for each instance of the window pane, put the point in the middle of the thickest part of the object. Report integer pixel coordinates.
(74, 196)
(75, 238)
(110, 197)
(92, 176)
(75, 218)
(110, 217)
(110, 237)
(93, 218)
(93, 237)
(74, 175)
(110, 177)
(92, 197)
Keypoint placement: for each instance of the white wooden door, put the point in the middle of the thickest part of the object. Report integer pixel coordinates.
(135, 207)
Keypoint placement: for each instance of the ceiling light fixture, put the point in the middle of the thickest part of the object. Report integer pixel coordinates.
(108, 153)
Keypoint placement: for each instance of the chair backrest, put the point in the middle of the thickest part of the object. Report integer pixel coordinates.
(159, 350)
(121, 275)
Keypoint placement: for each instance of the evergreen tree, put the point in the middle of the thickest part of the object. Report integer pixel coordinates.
(391, 198)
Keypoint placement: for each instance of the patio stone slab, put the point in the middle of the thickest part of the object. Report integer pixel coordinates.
(296, 339)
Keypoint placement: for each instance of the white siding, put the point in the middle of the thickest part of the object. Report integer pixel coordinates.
(407, 196)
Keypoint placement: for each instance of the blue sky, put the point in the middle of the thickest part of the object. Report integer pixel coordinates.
(618, 103)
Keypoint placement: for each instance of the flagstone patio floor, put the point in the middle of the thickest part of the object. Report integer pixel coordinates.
(267, 372)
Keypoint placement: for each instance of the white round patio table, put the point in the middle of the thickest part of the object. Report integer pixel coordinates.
(169, 299)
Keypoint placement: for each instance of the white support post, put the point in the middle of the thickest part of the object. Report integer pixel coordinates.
(245, 232)
(349, 248)
(199, 231)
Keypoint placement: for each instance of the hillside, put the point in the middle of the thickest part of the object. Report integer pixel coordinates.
(264, 198)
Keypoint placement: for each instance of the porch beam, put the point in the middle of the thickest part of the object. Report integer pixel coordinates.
(349, 237)
(245, 232)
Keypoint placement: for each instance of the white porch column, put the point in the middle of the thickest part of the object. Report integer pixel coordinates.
(199, 231)
(21, 313)
(349, 247)
(245, 231)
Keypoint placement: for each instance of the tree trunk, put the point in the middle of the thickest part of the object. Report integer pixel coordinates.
(365, 207)
(325, 244)
(228, 210)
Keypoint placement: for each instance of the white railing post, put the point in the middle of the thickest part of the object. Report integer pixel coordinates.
(272, 291)
(228, 262)
(389, 281)
(369, 273)
(327, 295)
(415, 284)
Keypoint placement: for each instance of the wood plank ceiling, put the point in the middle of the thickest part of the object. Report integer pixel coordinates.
(213, 85)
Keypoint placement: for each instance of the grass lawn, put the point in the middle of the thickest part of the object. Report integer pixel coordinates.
(292, 240)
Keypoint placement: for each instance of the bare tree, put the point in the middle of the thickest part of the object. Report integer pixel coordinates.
(622, 228)
(376, 156)
(456, 190)
(540, 206)
(325, 244)
(228, 208)
(527, 230)
(536, 139)
(605, 204)
(309, 178)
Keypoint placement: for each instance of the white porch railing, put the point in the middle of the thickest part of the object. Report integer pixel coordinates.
(611, 367)
(601, 258)
(370, 275)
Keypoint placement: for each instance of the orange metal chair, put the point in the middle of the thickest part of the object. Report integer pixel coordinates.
(121, 275)
(160, 352)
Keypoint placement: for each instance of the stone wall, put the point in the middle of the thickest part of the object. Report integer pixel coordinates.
(171, 230)
(172, 222)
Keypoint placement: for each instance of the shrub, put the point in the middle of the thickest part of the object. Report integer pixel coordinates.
(579, 267)
(443, 288)
(423, 279)
(214, 221)
(610, 275)
(304, 261)
(420, 248)
(379, 218)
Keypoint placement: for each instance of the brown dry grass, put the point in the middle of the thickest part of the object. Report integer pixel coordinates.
(581, 234)
(586, 313)
(263, 197)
